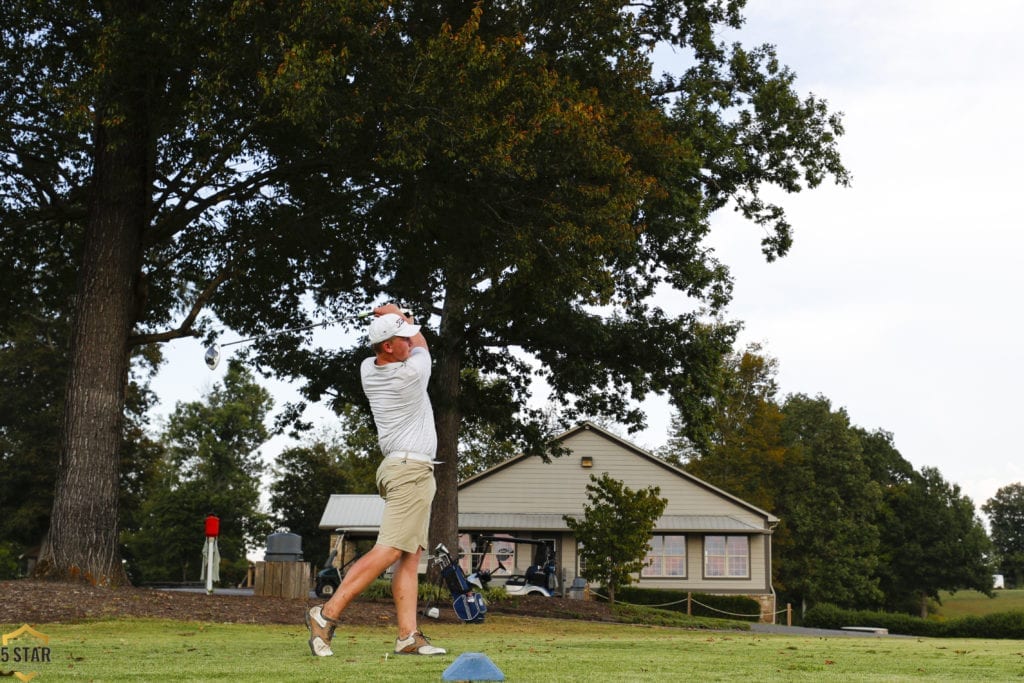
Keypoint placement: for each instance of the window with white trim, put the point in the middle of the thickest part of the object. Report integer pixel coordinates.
(667, 557)
(581, 565)
(727, 557)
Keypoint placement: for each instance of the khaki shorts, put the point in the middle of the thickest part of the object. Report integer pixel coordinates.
(407, 487)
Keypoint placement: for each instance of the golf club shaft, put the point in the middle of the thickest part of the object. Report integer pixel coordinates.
(273, 333)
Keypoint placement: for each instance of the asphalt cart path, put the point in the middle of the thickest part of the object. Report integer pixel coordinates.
(777, 629)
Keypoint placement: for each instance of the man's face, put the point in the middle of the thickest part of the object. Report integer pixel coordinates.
(399, 348)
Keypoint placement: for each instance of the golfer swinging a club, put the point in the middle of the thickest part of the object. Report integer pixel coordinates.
(395, 382)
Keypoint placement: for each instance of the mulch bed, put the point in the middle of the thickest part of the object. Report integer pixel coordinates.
(29, 601)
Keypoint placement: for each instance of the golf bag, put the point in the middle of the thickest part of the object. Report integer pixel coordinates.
(467, 603)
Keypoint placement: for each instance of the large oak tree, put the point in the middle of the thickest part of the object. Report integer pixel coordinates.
(513, 171)
(130, 145)
(530, 186)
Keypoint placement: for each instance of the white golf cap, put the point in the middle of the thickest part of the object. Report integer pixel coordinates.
(390, 325)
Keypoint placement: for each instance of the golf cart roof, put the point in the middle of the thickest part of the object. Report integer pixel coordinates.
(511, 539)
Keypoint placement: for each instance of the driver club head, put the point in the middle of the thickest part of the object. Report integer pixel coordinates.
(212, 357)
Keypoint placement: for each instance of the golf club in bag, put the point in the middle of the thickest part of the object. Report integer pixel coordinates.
(212, 355)
(467, 603)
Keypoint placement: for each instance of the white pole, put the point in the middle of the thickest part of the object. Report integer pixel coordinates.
(210, 540)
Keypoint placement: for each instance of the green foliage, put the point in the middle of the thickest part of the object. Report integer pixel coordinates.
(1002, 625)
(828, 504)
(740, 448)
(1008, 625)
(506, 167)
(931, 539)
(438, 594)
(129, 150)
(9, 553)
(829, 616)
(211, 466)
(306, 476)
(1006, 520)
(859, 526)
(33, 372)
(380, 589)
(615, 530)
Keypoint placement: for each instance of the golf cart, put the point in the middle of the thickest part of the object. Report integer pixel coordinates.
(539, 578)
(329, 578)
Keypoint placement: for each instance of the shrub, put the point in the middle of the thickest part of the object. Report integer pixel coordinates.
(9, 560)
(830, 616)
(1003, 625)
(435, 593)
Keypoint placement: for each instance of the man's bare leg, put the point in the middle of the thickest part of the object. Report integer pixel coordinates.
(405, 591)
(360, 575)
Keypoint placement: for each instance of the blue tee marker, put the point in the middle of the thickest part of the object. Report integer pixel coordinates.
(472, 666)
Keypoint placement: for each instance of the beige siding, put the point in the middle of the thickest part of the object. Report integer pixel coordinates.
(559, 487)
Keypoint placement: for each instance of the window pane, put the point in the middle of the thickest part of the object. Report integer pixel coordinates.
(653, 568)
(675, 545)
(675, 566)
(667, 557)
(727, 556)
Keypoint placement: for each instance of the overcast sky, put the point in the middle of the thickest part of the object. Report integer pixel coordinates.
(899, 298)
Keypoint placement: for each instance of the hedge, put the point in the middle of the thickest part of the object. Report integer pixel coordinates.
(719, 606)
(1002, 625)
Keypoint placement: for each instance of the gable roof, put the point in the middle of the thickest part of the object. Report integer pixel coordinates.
(644, 455)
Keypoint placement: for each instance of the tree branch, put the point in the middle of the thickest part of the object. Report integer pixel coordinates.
(185, 329)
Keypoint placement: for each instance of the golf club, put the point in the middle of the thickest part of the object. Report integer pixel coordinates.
(212, 355)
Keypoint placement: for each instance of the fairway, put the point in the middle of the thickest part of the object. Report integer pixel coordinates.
(524, 649)
(965, 603)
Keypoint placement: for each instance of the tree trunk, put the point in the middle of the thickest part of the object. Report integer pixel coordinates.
(82, 543)
(444, 516)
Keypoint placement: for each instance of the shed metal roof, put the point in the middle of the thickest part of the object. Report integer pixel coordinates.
(357, 513)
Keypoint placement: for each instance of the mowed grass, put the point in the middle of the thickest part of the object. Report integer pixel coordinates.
(964, 603)
(524, 649)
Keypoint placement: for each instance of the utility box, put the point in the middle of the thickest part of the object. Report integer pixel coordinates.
(284, 547)
(283, 574)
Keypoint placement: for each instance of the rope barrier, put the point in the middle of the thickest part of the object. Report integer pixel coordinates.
(677, 602)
